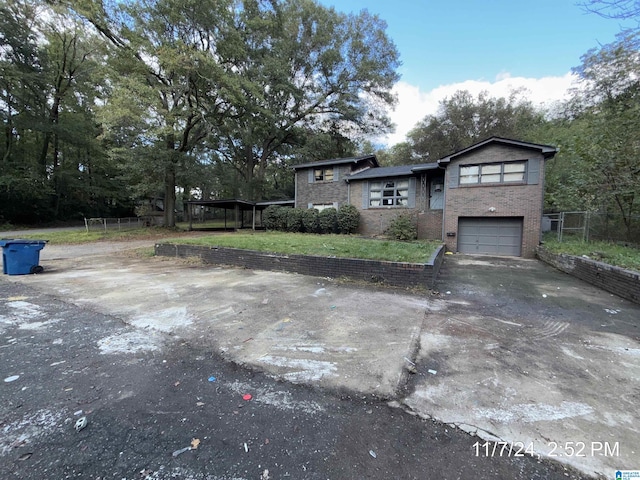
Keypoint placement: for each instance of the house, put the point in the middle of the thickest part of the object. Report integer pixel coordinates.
(484, 199)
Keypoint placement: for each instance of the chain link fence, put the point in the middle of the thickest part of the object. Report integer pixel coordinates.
(104, 224)
(593, 226)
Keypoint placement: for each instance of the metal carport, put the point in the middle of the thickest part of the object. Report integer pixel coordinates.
(237, 208)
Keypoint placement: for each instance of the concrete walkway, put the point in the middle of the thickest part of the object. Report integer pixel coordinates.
(509, 350)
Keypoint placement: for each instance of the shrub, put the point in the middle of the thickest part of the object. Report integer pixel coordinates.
(274, 217)
(270, 217)
(310, 220)
(328, 220)
(348, 219)
(402, 228)
(294, 219)
(281, 218)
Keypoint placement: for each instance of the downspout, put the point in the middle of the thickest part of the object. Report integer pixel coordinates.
(543, 163)
(348, 191)
(444, 199)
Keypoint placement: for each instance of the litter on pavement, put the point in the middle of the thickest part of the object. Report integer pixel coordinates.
(81, 423)
(181, 451)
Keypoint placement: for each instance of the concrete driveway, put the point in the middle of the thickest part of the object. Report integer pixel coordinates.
(510, 349)
(526, 354)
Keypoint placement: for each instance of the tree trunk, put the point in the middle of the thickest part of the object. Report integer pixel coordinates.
(249, 171)
(8, 138)
(170, 196)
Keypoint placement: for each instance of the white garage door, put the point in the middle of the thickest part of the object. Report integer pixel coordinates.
(490, 236)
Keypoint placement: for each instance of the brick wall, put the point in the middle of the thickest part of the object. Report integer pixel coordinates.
(374, 221)
(321, 192)
(523, 201)
(624, 283)
(430, 224)
(388, 273)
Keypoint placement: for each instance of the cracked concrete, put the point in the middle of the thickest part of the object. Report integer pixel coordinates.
(301, 329)
(527, 354)
(515, 352)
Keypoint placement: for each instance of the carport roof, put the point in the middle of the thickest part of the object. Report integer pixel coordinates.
(224, 203)
(242, 204)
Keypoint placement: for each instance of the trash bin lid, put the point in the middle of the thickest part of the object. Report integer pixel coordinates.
(10, 241)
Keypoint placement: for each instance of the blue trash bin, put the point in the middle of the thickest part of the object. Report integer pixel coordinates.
(21, 257)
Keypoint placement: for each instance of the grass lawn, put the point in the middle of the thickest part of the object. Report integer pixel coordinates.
(82, 236)
(275, 242)
(618, 255)
(321, 245)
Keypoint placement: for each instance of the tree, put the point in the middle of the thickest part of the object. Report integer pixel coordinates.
(246, 83)
(170, 90)
(609, 122)
(463, 120)
(53, 165)
(310, 71)
(398, 154)
(567, 183)
(20, 94)
(620, 9)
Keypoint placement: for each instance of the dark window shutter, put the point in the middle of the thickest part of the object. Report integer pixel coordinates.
(365, 195)
(412, 193)
(454, 171)
(533, 171)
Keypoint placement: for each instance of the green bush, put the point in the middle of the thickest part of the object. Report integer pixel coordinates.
(270, 217)
(348, 219)
(310, 221)
(294, 219)
(328, 220)
(281, 218)
(274, 217)
(402, 228)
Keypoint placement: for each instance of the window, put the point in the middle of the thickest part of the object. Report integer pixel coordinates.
(492, 173)
(323, 175)
(389, 193)
(322, 206)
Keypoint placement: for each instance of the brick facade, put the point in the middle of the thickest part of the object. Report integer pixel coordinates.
(375, 220)
(400, 274)
(335, 191)
(521, 201)
(430, 224)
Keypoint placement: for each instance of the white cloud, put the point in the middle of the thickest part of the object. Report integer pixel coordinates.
(414, 104)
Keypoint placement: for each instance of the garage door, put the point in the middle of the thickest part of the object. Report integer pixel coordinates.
(490, 236)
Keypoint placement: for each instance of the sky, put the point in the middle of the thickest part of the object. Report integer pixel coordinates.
(483, 45)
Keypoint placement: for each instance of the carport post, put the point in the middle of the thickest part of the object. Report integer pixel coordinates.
(253, 219)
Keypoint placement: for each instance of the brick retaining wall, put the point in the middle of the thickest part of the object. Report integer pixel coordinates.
(624, 283)
(388, 273)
